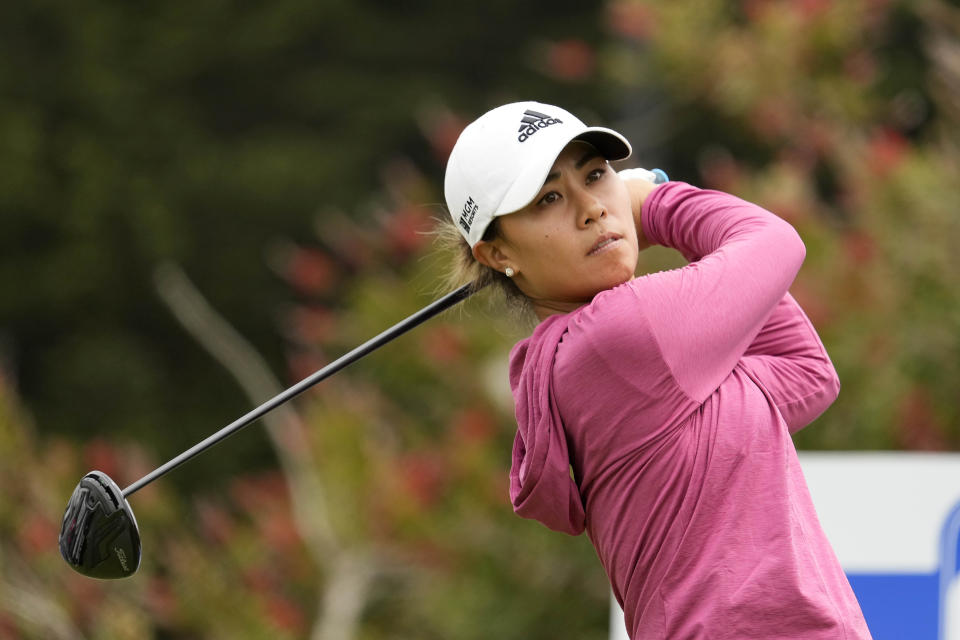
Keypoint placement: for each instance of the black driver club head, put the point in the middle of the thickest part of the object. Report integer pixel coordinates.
(99, 536)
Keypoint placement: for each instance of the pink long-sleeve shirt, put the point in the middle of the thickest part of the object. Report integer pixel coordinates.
(672, 397)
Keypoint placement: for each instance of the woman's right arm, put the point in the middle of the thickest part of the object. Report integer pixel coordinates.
(743, 260)
(789, 360)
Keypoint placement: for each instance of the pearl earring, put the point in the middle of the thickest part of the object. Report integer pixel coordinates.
(509, 272)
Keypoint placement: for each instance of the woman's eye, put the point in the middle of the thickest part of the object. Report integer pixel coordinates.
(595, 175)
(550, 198)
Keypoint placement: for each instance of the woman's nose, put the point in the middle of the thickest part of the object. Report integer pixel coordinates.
(591, 210)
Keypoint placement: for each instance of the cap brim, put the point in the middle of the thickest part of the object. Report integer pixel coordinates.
(611, 144)
(608, 142)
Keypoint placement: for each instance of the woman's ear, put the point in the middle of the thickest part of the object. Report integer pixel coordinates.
(489, 254)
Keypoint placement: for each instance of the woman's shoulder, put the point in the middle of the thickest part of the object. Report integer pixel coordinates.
(609, 308)
(610, 348)
(614, 322)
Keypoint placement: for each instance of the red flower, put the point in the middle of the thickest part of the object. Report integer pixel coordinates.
(312, 325)
(406, 229)
(37, 534)
(570, 60)
(757, 10)
(8, 626)
(260, 579)
(441, 129)
(256, 492)
(886, 150)
(918, 426)
(311, 271)
(279, 529)
(474, 426)
(215, 523)
(102, 456)
(719, 169)
(630, 19)
(861, 67)
(814, 301)
(443, 344)
(860, 247)
(774, 117)
(303, 364)
(160, 599)
(285, 614)
(85, 597)
(423, 475)
(820, 136)
(811, 8)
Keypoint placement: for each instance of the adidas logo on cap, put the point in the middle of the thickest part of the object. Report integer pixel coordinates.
(532, 121)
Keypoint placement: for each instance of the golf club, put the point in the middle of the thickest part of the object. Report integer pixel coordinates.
(99, 537)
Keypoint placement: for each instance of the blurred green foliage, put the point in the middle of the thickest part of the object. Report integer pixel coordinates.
(290, 156)
(206, 132)
(843, 118)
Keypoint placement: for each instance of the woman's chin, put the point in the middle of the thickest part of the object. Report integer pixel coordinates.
(608, 283)
(618, 277)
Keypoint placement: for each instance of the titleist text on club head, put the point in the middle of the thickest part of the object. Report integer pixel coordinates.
(99, 536)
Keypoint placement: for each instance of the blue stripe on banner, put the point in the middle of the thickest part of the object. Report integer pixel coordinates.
(898, 606)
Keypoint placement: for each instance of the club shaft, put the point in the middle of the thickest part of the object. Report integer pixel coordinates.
(434, 308)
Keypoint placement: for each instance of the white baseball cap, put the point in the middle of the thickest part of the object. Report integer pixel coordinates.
(502, 158)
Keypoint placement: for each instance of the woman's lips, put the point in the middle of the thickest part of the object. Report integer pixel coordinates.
(606, 241)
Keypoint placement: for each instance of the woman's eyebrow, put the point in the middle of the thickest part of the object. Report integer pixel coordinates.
(587, 157)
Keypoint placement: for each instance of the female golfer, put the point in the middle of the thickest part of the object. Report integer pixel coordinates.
(655, 412)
